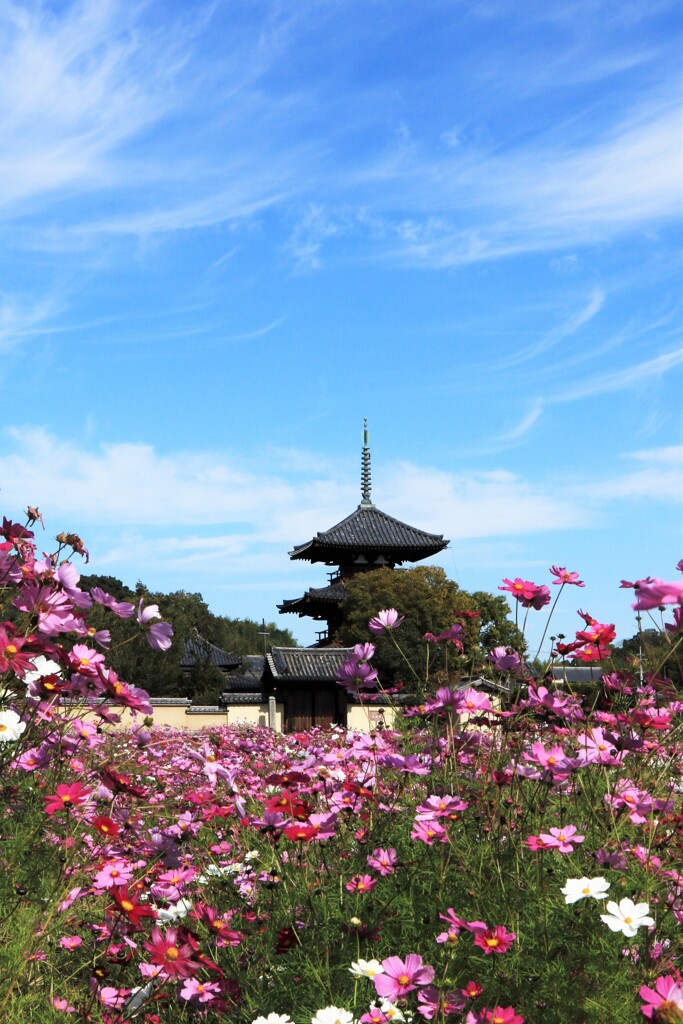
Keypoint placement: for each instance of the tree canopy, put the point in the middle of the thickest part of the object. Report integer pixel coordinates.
(431, 603)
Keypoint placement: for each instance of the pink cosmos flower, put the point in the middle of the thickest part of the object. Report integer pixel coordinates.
(383, 861)
(385, 621)
(401, 977)
(361, 883)
(494, 940)
(114, 872)
(432, 1002)
(201, 992)
(123, 609)
(566, 577)
(519, 588)
(470, 701)
(159, 633)
(169, 953)
(70, 941)
(65, 798)
(665, 1001)
(429, 832)
(561, 839)
(505, 659)
(455, 926)
(529, 594)
(440, 807)
(501, 1015)
(657, 593)
(63, 1005)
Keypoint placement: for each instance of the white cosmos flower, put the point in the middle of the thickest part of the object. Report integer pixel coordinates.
(366, 968)
(579, 888)
(626, 916)
(332, 1015)
(390, 1011)
(174, 912)
(42, 666)
(274, 1018)
(11, 726)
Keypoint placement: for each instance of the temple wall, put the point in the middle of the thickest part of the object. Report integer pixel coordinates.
(178, 714)
(367, 718)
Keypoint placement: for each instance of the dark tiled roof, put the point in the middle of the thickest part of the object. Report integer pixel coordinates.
(369, 529)
(198, 650)
(307, 663)
(253, 665)
(229, 699)
(333, 594)
(242, 684)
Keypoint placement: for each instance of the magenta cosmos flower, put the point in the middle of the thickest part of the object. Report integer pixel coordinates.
(401, 977)
(494, 940)
(385, 621)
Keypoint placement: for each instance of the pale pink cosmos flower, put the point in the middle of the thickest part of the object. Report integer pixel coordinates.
(561, 839)
(158, 633)
(385, 621)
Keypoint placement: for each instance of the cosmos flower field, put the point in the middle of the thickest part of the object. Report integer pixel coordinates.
(482, 861)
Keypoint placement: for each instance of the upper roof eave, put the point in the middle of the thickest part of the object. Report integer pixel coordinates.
(370, 529)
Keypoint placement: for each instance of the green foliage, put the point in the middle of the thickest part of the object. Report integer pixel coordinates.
(652, 648)
(159, 673)
(431, 603)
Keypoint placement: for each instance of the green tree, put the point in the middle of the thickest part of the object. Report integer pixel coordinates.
(652, 648)
(430, 602)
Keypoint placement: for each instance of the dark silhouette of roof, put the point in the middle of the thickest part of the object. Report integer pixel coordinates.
(316, 600)
(307, 664)
(369, 531)
(197, 650)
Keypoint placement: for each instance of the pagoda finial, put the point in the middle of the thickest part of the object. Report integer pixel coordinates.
(365, 486)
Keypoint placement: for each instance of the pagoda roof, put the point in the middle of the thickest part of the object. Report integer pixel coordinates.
(369, 531)
(333, 594)
(307, 664)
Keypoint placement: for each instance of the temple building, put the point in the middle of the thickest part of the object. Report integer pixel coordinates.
(367, 539)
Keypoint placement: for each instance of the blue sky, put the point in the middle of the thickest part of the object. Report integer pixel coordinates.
(229, 231)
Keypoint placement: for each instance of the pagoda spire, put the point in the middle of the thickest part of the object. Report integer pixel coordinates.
(365, 484)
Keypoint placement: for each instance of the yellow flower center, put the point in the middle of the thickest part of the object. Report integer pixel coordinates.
(126, 905)
(172, 953)
(403, 979)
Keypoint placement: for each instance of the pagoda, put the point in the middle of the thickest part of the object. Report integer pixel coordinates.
(367, 539)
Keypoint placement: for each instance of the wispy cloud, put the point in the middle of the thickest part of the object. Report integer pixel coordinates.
(622, 380)
(571, 325)
(522, 428)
